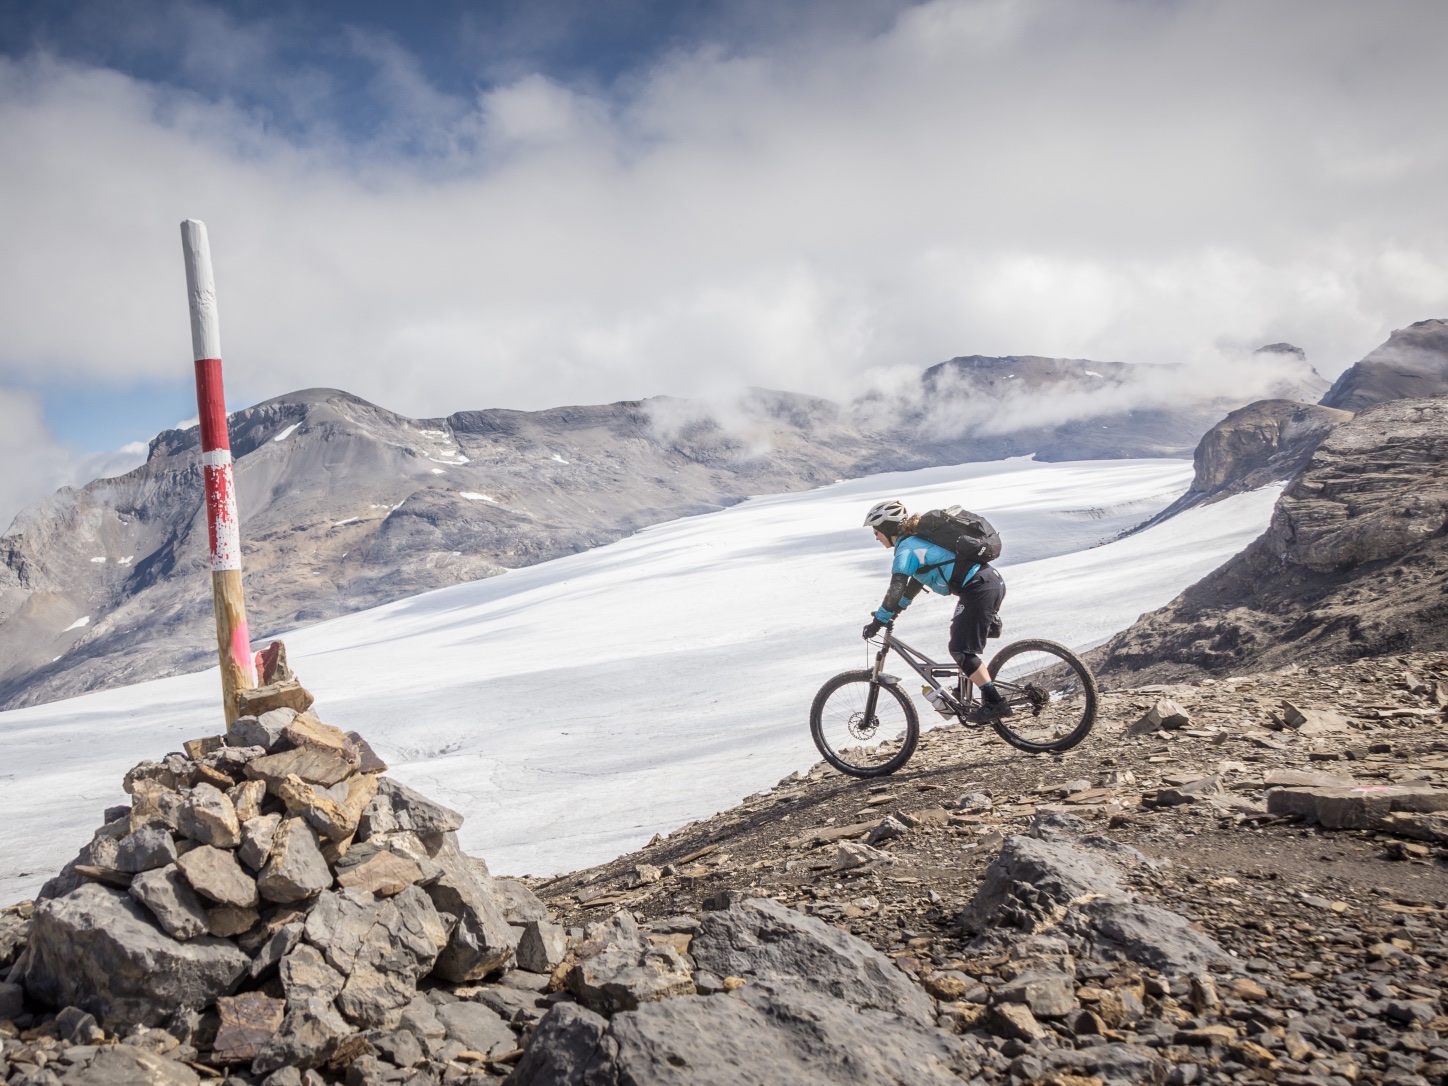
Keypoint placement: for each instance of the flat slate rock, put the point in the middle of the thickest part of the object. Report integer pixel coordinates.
(478, 1027)
(1355, 807)
(1153, 937)
(248, 1023)
(315, 765)
(288, 694)
(384, 873)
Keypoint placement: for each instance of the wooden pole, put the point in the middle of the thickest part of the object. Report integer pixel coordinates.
(233, 641)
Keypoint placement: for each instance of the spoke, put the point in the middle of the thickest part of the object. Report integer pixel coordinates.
(1046, 694)
(861, 739)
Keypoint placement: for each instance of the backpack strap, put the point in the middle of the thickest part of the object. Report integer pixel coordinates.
(969, 575)
(955, 581)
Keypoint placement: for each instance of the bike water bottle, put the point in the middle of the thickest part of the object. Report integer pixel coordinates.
(937, 700)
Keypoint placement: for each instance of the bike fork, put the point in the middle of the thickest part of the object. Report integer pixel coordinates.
(873, 697)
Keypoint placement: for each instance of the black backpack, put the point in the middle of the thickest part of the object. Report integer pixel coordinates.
(969, 536)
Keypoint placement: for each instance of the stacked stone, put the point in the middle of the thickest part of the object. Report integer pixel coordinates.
(271, 902)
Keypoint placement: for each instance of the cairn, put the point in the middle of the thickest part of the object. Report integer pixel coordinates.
(272, 903)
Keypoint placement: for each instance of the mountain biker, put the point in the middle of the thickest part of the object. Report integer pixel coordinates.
(919, 564)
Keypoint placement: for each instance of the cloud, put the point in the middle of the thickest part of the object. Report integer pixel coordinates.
(27, 451)
(36, 464)
(1109, 179)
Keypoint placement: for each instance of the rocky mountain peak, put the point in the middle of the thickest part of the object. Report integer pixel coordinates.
(1259, 444)
(1354, 563)
(252, 427)
(1284, 349)
(987, 372)
(1412, 363)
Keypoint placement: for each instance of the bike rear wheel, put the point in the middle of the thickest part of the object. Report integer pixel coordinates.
(860, 739)
(1052, 695)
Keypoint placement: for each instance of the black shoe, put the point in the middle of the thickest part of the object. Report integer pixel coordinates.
(988, 711)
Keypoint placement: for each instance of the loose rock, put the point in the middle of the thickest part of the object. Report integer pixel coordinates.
(257, 835)
(216, 875)
(96, 949)
(171, 901)
(207, 815)
(145, 850)
(248, 1023)
(541, 947)
(295, 869)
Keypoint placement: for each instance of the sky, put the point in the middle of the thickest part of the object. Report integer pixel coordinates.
(445, 205)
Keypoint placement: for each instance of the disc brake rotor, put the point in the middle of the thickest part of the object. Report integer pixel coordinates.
(861, 728)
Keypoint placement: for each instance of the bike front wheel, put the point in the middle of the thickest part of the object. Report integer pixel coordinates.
(863, 727)
(1052, 696)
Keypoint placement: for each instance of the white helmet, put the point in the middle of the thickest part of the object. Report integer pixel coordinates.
(885, 516)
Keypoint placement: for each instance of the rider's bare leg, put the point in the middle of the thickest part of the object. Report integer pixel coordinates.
(980, 676)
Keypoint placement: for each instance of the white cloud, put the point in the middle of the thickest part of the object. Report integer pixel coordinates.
(28, 452)
(36, 464)
(1114, 180)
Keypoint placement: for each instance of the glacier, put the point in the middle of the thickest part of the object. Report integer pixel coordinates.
(573, 709)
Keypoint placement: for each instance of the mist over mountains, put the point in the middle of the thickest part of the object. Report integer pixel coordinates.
(346, 504)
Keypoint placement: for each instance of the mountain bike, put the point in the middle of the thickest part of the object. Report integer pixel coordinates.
(865, 724)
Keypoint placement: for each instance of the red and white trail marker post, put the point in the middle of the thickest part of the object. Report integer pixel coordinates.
(223, 527)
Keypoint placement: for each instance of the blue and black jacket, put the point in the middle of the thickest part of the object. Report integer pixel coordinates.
(920, 564)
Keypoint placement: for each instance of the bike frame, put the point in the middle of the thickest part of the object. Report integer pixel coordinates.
(922, 665)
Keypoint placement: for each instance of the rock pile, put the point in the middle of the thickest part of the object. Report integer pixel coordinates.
(271, 903)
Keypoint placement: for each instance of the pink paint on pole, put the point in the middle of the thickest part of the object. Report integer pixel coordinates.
(241, 649)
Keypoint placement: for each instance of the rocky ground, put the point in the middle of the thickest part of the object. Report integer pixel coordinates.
(1231, 881)
(1331, 944)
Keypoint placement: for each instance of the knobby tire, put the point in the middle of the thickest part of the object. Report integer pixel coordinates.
(847, 691)
(1077, 678)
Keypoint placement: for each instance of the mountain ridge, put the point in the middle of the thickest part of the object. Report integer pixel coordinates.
(347, 504)
(1411, 364)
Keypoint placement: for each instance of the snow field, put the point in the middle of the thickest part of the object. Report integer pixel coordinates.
(571, 710)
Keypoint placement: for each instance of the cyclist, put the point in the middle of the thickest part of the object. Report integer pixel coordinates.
(919, 564)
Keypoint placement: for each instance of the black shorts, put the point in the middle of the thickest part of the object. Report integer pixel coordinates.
(980, 602)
